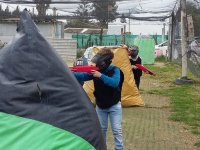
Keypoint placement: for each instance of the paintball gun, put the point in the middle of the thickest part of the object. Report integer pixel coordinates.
(143, 68)
(84, 68)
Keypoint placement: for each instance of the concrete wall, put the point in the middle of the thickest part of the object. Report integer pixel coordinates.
(68, 35)
(49, 30)
(66, 48)
(8, 29)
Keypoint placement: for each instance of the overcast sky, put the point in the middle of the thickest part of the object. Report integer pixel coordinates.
(135, 6)
(138, 8)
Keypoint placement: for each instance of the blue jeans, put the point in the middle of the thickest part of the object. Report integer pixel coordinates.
(115, 114)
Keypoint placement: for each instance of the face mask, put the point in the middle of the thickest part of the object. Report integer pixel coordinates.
(102, 62)
(104, 65)
(134, 54)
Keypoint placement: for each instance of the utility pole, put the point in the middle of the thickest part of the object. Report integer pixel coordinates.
(163, 32)
(184, 38)
(171, 37)
(183, 79)
(54, 11)
(129, 22)
(170, 42)
(108, 11)
(124, 34)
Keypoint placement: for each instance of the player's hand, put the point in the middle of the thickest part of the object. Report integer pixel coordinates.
(134, 67)
(96, 74)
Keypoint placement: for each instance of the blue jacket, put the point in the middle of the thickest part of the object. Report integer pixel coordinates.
(109, 81)
(107, 88)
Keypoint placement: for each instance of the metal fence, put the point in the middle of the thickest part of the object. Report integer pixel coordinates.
(194, 62)
(86, 40)
(193, 57)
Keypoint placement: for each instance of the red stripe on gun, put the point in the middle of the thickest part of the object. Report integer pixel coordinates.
(143, 68)
(83, 68)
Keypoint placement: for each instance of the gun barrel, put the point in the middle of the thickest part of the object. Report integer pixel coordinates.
(83, 68)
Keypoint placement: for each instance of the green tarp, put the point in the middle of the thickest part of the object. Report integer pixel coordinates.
(88, 40)
(18, 133)
(146, 49)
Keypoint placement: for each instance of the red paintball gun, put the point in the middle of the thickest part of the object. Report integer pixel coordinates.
(83, 68)
(143, 68)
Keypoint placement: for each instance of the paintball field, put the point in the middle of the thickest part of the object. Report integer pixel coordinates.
(148, 128)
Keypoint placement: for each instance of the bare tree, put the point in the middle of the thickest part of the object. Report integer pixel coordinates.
(7, 10)
(42, 6)
(123, 19)
(105, 11)
(82, 14)
(16, 11)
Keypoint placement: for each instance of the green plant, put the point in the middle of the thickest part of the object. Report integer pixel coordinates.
(80, 53)
(160, 58)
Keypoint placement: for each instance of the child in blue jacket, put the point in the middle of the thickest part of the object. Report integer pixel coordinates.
(108, 82)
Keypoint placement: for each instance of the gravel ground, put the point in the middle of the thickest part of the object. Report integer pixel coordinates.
(148, 128)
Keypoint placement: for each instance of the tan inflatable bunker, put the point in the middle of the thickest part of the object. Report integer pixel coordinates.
(130, 93)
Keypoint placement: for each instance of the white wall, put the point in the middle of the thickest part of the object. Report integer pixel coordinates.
(8, 30)
(114, 29)
(68, 35)
(138, 27)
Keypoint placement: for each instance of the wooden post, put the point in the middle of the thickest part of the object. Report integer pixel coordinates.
(124, 34)
(184, 38)
(129, 22)
(171, 37)
(169, 49)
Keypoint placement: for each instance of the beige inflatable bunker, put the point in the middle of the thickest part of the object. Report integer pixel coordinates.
(130, 93)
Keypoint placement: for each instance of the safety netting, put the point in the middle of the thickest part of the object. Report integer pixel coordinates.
(87, 40)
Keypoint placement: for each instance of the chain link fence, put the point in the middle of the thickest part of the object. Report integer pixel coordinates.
(194, 62)
(87, 40)
(193, 57)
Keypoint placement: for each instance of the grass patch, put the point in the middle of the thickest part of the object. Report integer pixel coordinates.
(197, 144)
(160, 59)
(185, 99)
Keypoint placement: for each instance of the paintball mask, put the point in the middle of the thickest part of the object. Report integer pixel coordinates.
(102, 61)
(133, 51)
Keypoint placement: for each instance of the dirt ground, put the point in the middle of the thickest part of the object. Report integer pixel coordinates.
(148, 128)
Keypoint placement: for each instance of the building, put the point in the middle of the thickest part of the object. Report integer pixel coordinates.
(136, 27)
(69, 32)
(50, 29)
(53, 31)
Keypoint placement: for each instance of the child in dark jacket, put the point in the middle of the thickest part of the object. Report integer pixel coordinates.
(135, 59)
